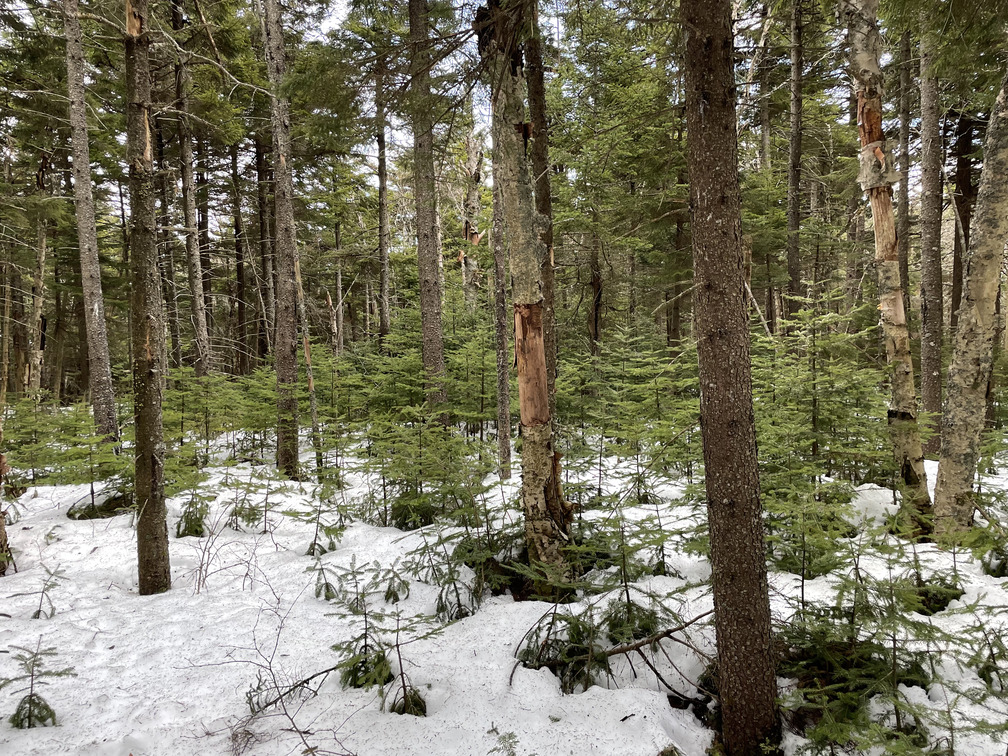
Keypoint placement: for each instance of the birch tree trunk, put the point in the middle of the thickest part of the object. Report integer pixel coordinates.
(748, 686)
(285, 248)
(425, 191)
(547, 516)
(876, 177)
(100, 373)
(146, 308)
(932, 299)
(972, 350)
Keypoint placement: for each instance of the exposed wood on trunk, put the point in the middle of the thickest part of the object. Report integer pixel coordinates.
(285, 248)
(748, 686)
(425, 194)
(100, 373)
(547, 516)
(794, 161)
(539, 152)
(972, 351)
(932, 299)
(876, 177)
(146, 308)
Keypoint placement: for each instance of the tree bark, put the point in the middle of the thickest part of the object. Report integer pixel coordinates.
(748, 686)
(35, 331)
(425, 191)
(547, 516)
(794, 161)
(146, 307)
(972, 351)
(384, 274)
(876, 177)
(166, 252)
(964, 197)
(539, 149)
(100, 373)
(203, 226)
(241, 242)
(903, 197)
(471, 208)
(265, 248)
(285, 248)
(932, 299)
(501, 332)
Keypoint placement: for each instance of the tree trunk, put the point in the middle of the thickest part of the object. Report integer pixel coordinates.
(876, 177)
(903, 197)
(595, 308)
(972, 351)
(306, 345)
(964, 197)
(932, 304)
(166, 253)
(748, 686)
(741, 603)
(243, 347)
(146, 307)
(543, 193)
(203, 226)
(285, 249)
(500, 327)
(471, 208)
(36, 332)
(340, 335)
(547, 516)
(794, 161)
(384, 275)
(265, 248)
(100, 373)
(425, 190)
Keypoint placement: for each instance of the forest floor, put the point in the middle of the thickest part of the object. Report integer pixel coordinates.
(250, 613)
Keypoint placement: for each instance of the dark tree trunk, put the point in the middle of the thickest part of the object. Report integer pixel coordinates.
(265, 249)
(241, 242)
(794, 161)
(384, 275)
(964, 197)
(100, 374)
(903, 198)
(166, 254)
(425, 191)
(501, 332)
(285, 249)
(146, 308)
(748, 686)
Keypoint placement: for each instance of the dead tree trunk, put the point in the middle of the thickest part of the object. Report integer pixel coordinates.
(876, 177)
(100, 373)
(146, 308)
(547, 516)
(972, 351)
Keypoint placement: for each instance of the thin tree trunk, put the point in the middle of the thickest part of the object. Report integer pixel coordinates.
(501, 333)
(384, 275)
(543, 194)
(100, 373)
(547, 516)
(794, 161)
(241, 241)
(285, 249)
(903, 196)
(932, 304)
(425, 190)
(306, 346)
(148, 328)
(6, 336)
(964, 197)
(471, 207)
(876, 177)
(748, 686)
(595, 308)
(203, 226)
(972, 351)
(265, 247)
(340, 335)
(166, 254)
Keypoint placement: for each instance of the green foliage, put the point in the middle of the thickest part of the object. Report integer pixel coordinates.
(32, 709)
(568, 644)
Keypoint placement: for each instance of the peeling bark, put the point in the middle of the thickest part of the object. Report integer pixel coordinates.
(972, 352)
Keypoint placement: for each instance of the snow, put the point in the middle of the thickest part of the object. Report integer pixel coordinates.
(169, 674)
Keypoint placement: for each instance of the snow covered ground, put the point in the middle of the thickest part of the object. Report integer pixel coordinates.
(171, 674)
